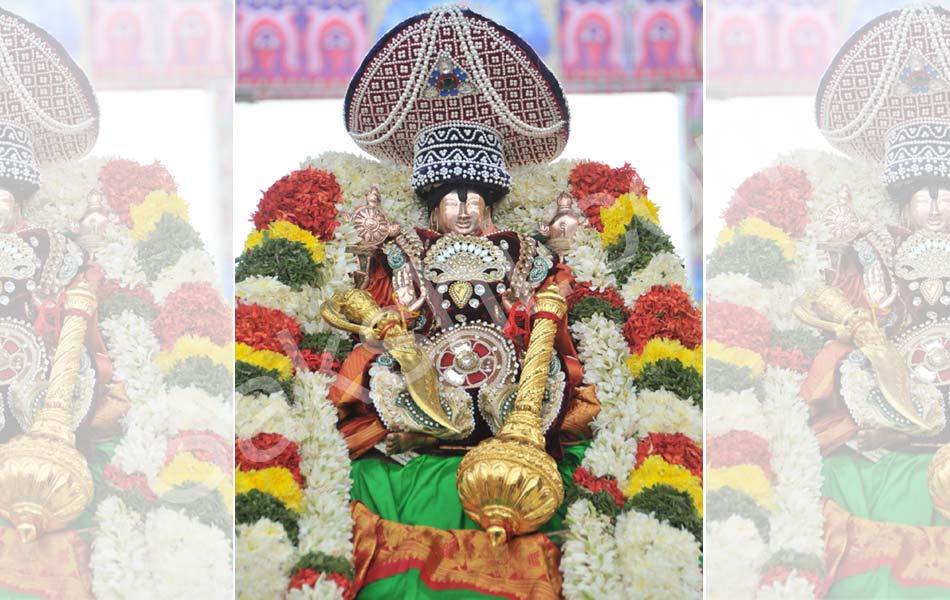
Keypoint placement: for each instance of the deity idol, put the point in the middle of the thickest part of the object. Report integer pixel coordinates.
(880, 387)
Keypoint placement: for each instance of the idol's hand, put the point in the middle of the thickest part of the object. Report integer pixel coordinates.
(406, 289)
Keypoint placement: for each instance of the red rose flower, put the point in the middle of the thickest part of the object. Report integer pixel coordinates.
(675, 448)
(740, 447)
(323, 362)
(193, 309)
(126, 182)
(266, 450)
(737, 325)
(261, 328)
(587, 480)
(778, 195)
(664, 312)
(306, 198)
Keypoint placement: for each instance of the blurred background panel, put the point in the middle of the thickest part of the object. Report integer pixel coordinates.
(632, 70)
(163, 75)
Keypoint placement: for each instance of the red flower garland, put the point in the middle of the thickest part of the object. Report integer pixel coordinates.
(589, 178)
(780, 574)
(193, 309)
(583, 290)
(322, 362)
(664, 312)
(794, 359)
(125, 182)
(266, 450)
(259, 327)
(740, 447)
(777, 195)
(123, 481)
(306, 198)
(203, 445)
(737, 325)
(591, 205)
(111, 287)
(589, 481)
(675, 448)
(309, 577)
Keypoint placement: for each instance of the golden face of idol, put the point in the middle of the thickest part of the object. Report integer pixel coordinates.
(928, 209)
(471, 216)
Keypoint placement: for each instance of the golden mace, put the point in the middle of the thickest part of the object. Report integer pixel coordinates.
(44, 481)
(508, 484)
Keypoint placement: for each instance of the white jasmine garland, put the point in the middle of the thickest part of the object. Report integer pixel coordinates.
(795, 587)
(187, 558)
(119, 550)
(133, 349)
(119, 260)
(664, 268)
(589, 560)
(734, 557)
(256, 413)
(656, 560)
(588, 259)
(327, 525)
(264, 556)
(193, 266)
(734, 411)
(662, 411)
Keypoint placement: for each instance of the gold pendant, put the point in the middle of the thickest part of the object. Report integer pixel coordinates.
(460, 292)
(930, 289)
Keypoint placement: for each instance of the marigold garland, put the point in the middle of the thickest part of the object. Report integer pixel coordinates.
(126, 182)
(748, 479)
(616, 218)
(307, 198)
(186, 468)
(269, 450)
(659, 348)
(190, 346)
(737, 357)
(655, 470)
(754, 226)
(265, 359)
(284, 230)
(147, 214)
(279, 482)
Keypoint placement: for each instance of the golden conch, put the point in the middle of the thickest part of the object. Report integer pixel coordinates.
(44, 481)
(508, 484)
(938, 480)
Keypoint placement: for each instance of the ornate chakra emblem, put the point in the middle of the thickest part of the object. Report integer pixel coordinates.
(474, 355)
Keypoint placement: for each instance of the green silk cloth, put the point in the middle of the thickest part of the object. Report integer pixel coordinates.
(893, 489)
(422, 492)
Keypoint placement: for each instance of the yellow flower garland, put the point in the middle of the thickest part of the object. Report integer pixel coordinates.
(748, 479)
(655, 470)
(757, 227)
(186, 468)
(738, 357)
(147, 213)
(658, 348)
(265, 359)
(288, 231)
(188, 346)
(276, 481)
(618, 217)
